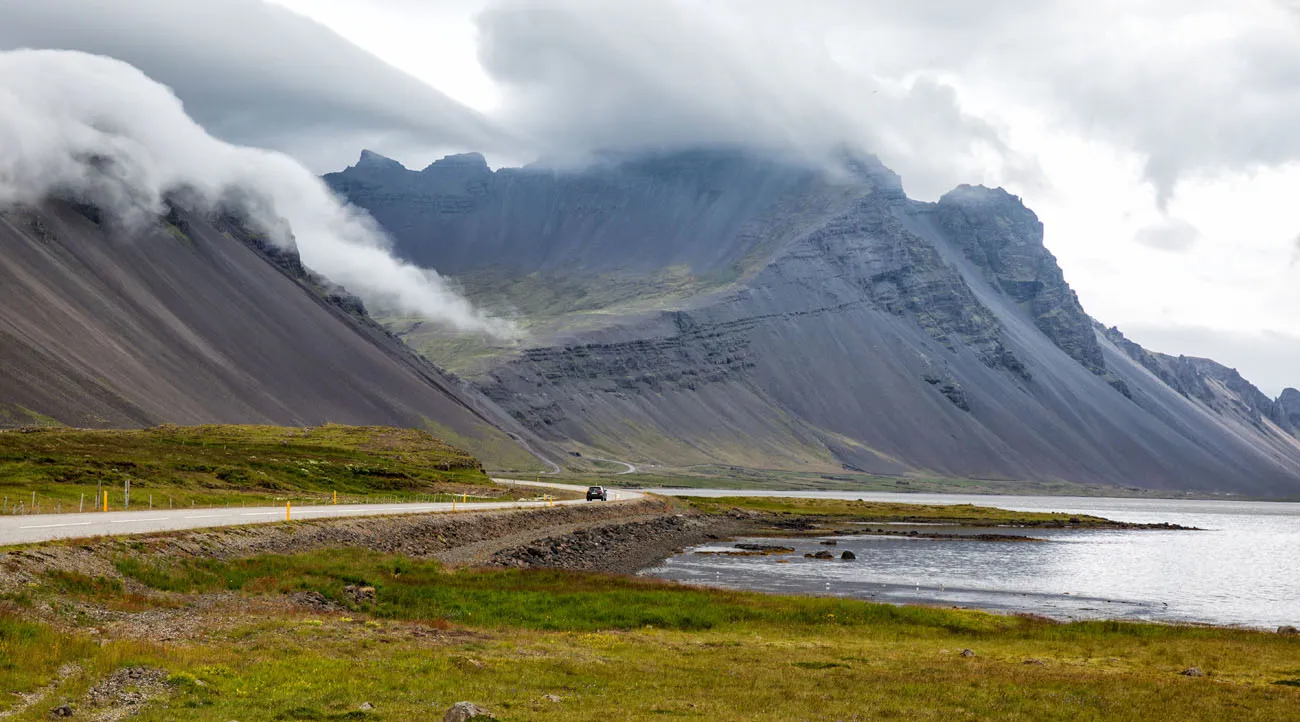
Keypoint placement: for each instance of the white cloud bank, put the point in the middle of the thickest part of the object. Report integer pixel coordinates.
(98, 129)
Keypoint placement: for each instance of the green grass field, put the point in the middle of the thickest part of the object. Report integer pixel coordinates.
(616, 648)
(215, 465)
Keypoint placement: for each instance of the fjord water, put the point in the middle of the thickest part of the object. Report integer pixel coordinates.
(1242, 569)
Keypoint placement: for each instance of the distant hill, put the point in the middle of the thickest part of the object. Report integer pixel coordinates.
(197, 321)
(713, 307)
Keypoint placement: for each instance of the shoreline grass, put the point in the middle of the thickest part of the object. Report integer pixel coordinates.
(219, 465)
(623, 648)
(888, 512)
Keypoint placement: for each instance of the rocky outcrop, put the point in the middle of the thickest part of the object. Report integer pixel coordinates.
(1005, 239)
(1218, 387)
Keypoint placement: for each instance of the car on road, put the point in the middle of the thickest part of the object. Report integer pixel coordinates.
(597, 492)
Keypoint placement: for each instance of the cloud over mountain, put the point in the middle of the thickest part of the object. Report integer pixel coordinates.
(98, 130)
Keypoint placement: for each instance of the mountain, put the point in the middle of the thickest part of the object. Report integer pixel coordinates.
(717, 307)
(195, 320)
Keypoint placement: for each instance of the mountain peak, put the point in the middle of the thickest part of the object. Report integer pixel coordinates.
(376, 161)
(459, 161)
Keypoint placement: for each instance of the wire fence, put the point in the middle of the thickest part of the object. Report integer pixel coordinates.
(121, 500)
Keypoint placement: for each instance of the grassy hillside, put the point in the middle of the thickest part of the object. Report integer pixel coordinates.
(204, 465)
(567, 646)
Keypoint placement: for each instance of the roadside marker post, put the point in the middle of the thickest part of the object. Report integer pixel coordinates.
(336, 497)
(286, 511)
(464, 498)
(81, 505)
(105, 501)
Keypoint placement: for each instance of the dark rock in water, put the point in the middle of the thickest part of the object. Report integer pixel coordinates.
(465, 711)
(968, 653)
(848, 555)
(821, 555)
(1192, 672)
(829, 542)
(1288, 630)
(770, 548)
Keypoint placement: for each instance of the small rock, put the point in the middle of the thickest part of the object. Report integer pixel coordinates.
(1192, 672)
(829, 543)
(555, 698)
(463, 711)
(968, 653)
(1037, 662)
(823, 554)
(848, 555)
(366, 707)
(1288, 630)
(64, 710)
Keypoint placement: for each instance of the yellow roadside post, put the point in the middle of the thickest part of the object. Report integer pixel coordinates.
(453, 503)
(106, 501)
(550, 501)
(464, 497)
(336, 497)
(286, 511)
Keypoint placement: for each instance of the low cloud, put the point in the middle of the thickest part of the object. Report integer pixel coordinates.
(98, 129)
(586, 75)
(1170, 235)
(257, 74)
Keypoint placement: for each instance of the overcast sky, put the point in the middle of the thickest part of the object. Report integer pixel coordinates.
(1156, 139)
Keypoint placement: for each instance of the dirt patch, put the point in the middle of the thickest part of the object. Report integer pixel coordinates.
(125, 692)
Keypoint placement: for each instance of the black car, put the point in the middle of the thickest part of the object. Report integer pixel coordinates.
(597, 492)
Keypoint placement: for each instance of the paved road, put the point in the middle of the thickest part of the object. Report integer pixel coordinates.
(46, 527)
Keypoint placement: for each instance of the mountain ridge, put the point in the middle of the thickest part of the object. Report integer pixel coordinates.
(849, 327)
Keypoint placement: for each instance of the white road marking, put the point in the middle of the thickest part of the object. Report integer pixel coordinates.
(133, 521)
(204, 516)
(53, 526)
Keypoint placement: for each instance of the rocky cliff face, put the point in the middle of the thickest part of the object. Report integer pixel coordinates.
(819, 322)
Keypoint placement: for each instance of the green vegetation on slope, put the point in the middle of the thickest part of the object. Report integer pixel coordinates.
(218, 464)
(623, 648)
(876, 511)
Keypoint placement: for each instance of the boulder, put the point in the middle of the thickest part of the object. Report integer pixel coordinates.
(823, 554)
(1288, 630)
(464, 711)
(848, 555)
(1192, 672)
(968, 653)
(63, 710)
(359, 594)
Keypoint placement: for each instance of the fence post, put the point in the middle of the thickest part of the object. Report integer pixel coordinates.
(81, 505)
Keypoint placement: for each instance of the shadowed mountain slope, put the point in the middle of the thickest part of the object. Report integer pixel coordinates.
(714, 308)
(191, 322)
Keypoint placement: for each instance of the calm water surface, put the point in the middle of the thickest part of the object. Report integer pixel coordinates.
(1244, 569)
